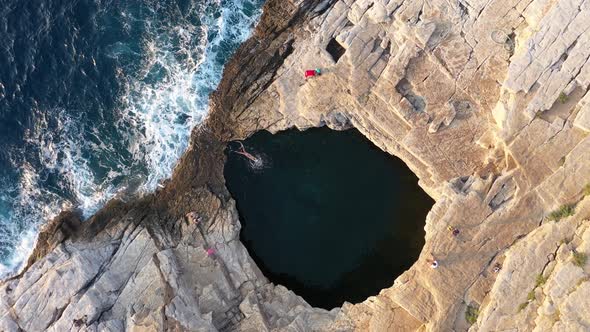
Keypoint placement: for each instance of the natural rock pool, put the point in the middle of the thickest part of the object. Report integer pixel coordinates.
(328, 215)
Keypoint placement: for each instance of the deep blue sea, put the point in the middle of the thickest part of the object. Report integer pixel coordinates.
(98, 98)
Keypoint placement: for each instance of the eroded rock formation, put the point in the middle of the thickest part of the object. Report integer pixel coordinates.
(486, 101)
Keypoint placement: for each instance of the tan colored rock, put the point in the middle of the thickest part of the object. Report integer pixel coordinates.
(486, 101)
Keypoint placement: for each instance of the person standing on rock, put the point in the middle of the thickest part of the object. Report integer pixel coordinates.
(453, 230)
(311, 73)
(433, 262)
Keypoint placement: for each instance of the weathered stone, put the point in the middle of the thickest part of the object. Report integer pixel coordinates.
(486, 101)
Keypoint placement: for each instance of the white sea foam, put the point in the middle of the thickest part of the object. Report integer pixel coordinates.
(29, 204)
(60, 151)
(162, 114)
(158, 110)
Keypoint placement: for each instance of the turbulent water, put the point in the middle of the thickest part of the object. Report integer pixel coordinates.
(98, 98)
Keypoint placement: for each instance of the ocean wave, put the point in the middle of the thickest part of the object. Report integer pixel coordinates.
(162, 114)
(73, 160)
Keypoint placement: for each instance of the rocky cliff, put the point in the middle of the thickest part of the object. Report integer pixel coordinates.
(486, 101)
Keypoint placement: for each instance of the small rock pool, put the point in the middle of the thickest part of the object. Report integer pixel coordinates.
(326, 213)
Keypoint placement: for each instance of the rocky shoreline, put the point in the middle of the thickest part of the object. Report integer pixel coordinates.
(485, 101)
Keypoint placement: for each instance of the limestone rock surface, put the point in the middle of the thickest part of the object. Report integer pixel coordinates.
(486, 101)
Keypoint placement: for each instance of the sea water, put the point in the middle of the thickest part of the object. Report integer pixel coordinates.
(98, 98)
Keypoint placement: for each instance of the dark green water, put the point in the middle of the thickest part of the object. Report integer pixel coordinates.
(330, 215)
